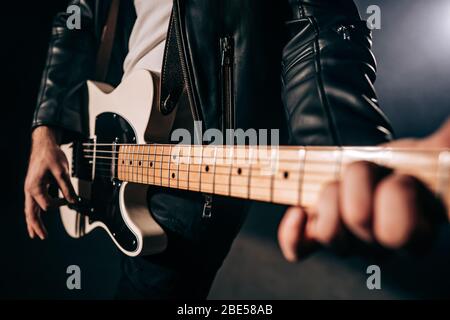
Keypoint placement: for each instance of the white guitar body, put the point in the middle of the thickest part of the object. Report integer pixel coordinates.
(133, 101)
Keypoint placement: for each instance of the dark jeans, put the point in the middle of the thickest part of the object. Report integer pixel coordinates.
(196, 249)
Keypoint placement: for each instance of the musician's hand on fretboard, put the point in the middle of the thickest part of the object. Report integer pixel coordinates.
(376, 205)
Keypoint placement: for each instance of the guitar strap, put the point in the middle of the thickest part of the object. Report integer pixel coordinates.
(162, 120)
(106, 42)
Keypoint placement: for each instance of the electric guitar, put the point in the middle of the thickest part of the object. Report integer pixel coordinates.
(112, 170)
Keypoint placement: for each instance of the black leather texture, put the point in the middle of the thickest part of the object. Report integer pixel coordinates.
(304, 67)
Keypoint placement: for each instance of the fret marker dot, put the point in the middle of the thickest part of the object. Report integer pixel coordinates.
(131, 162)
(173, 175)
(140, 163)
(286, 175)
(239, 171)
(123, 161)
(151, 164)
(207, 168)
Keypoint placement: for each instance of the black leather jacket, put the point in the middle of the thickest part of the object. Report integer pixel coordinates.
(305, 67)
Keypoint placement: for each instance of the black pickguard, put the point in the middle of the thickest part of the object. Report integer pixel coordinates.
(104, 204)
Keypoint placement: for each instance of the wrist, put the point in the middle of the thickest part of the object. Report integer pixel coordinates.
(45, 133)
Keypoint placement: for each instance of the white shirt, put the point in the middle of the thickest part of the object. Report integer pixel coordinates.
(148, 37)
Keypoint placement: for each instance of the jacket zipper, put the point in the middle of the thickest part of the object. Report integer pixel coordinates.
(207, 206)
(227, 79)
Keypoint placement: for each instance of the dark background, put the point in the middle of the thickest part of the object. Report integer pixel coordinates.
(413, 52)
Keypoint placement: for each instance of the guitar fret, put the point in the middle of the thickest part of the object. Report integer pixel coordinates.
(123, 164)
(178, 168)
(146, 164)
(231, 170)
(127, 160)
(173, 177)
(165, 167)
(130, 163)
(135, 167)
(160, 157)
(200, 169)
(207, 176)
(250, 158)
(301, 162)
(189, 168)
(152, 163)
(272, 177)
(141, 160)
(214, 172)
(135, 156)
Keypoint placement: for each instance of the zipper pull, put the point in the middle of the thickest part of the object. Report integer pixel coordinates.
(207, 207)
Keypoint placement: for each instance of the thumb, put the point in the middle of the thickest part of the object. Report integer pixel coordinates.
(294, 242)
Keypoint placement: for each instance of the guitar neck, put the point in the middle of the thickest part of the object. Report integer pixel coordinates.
(282, 175)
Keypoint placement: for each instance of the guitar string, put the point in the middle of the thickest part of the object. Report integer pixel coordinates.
(289, 172)
(431, 165)
(278, 197)
(209, 185)
(284, 147)
(425, 171)
(141, 155)
(281, 171)
(309, 187)
(167, 180)
(313, 176)
(236, 155)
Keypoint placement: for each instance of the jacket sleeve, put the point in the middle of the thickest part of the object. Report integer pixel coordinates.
(70, 62)
(328, 72)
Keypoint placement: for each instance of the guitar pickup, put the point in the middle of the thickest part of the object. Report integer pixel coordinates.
(81, 159)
